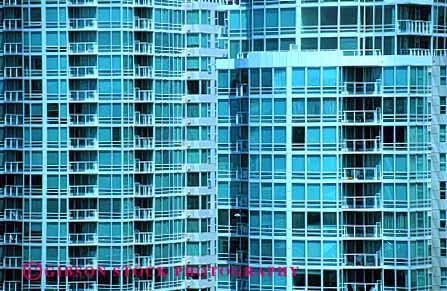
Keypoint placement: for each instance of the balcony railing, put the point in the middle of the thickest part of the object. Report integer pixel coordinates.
(143, 213)
(143, 71)
(83, 95)
(416, 52)
(12, 286)
(13, 119)
(84, 190)
(362, 231)
(415, 26)
(361, 173)
(83, 23)
(13, 142)
(83, 166)
(12, 72)
(83, 262)
(362, 88)
(143, 118)
(83, 119)
(12, 24)
(13, 95)
(144, 142)
(144, 47)
(83, 142)
(142, 190)
(83, 214)
(83, 286)
(143, 23)
(144, 166)
(361, 116)
(144, 95)
(143, 261)
(362, 145)
(83, 47)
(13, 191)
(83, 71)
(143, 237)
(12, 48)
(362, 260)
(83, 238)
(362, 202)
(11, 238)
(12, 262)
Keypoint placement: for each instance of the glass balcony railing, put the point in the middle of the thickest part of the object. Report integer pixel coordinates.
(83, 262)
(83, 214)
(144, 166)
(12, 48)
(143, 23)
(144, 142)
(143, 213)
(83, 142)
(143, 47)
(362, 260)
(362, 202)
(84, 190)
(83, 23)
(142, 190)
(83, 238)
(143, 118)
(83, 95)
(362, 145)
(144, 95)
(143, 237)
(362, 116)
(361, 173)
(83, 48)
(362, 231)
(83, 119)
(83, 166)
(83, 71)
(362, 88)
(142, 261)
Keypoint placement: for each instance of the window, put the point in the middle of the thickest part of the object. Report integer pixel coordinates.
(298, 135)
(443, 247)
(442, 105)
(442, 190)
(444, 277)
(443, 75)
(443, 219)
(442, 133)
(442, 162)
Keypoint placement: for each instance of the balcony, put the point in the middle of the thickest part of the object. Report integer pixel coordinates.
(144, 166)
(13, 119)
(11, 286)
(142, 190)
(143, 142)
(84, 191)
(144, 95)
(143, 118)
(361, 116)
(361, 174)
(83, 48)
(82, 2)
(142, 261)
(12, 262)
(362, 231)
(83, 214)
(143, 23)
(143, 213)
(83, 119)
(362, 145)
(83, 23)
(12, 48)
(143, 285)
(13, 95)
(83, 262)
(362, 88)
(13, 191)
(83, 95)
(83, 238)
(12, 72)
(362, 202)
(11, 238)
(12, 24)
(418, 27)
(83, 286)
(416, 52)
(143, 237)
(13, 143)
(83, 166)
(83, 142)
(83, 72)
(143, 47)
(362, 260)
(143, 71)
(13, 166)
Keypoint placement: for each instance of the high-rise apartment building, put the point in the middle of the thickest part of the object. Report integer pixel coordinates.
(303, 134)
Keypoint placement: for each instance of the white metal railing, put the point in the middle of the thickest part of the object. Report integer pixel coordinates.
(12, 48)
(144, 142)
(83, 23)
(83, 166)
(12, 214)
(363, 286)
(83, 261)
(142, 261)
(361, 173)
(12, 24)
(83, 119)
(362, 202)
(12, 262)
(363, 52)
(11, 238)
(83, 238)
(143, 23)
(362, 231)
(440, 52)
(362, 145)
(84, 190)
(13, 142)
(82, 286)
(361, 116)
(144, 166)
(83, 142)
(83, 214)
(144, 47)
(143, 118)
(362, 88)
(143, 285)
(13, 95)
(82, 2)
(143, 71)
(11, 286)
(416, 52)
(143, 190)
(83, 47)
(144, 95)
(13, 119)
(143, 213)
(13, 166)
(143, 237)
(83, 95)
(12, 72)
(362, 260)
(414, 26)
(83, 71)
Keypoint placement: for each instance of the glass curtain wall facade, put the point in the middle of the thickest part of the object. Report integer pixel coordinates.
(246, 133)
(107, 140)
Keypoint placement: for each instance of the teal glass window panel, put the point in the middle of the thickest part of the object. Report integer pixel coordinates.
(313, 77)
(314, 250)
(280, 192)
(329, 192)
(313, 164)
(329, 250)
(298, 77)
(313, 135)
(298, 192)
(298, 164)
(330, 164)
(288, 17)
